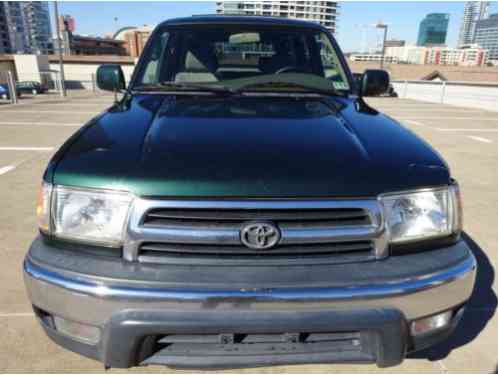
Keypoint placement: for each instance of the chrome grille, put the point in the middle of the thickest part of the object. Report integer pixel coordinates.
(183, 231)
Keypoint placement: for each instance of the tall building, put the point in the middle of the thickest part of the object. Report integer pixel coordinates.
(433, 29)
(25, 27)
(486, 36)
(13, 38)
(36, 15)
(5, 45)
(323, 12)
(473, 12)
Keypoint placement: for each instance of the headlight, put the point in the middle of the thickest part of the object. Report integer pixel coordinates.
(43, 207)
(95, 216)
(422, 214)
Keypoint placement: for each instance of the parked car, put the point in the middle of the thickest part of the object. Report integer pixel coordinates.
(31, 87)
(239, 209)
(5, 92)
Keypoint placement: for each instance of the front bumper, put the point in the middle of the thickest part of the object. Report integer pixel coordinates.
(376, 300)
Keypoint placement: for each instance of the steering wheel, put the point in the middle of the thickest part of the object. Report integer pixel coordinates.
(287, 69)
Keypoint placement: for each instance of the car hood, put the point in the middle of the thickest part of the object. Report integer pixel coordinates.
(166, 146)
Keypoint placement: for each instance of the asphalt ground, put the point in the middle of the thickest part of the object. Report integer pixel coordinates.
(31, 132)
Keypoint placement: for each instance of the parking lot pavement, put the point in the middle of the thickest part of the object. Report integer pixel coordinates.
(32, 131)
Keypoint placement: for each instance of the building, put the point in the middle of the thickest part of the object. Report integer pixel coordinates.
(323, 12)
(36, 18)
(89, 45)
(73, 44)
(433, 29)
(372, 57)
(407, 54)
(67, 23)
(486, 36)
(13, 34)
(395, 43)
(25, 27)
(5, 44)
(467, 55)
(134, 38)
(473, 12)
(67, 26)
(473, 55)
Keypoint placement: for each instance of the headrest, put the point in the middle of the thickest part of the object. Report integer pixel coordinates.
(192, 64)
(201, 58)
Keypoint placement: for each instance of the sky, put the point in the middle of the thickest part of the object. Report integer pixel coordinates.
(354, 25)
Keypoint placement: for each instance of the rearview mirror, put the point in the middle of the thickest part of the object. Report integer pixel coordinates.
(244, 38)
(374, 82)
(110, 77)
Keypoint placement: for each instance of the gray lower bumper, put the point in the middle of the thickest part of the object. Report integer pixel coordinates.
(100, 300)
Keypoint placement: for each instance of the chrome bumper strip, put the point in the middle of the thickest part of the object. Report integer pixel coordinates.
(85, 300)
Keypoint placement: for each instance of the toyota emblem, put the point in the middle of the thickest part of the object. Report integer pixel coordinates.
(259, 236)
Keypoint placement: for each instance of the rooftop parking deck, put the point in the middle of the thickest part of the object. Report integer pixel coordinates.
(32, 131)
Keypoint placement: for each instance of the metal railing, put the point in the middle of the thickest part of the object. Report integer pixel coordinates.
(480, 95)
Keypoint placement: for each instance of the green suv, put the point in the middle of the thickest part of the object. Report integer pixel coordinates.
(242, 205)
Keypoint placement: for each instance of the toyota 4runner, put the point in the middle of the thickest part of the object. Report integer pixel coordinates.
(242, 205)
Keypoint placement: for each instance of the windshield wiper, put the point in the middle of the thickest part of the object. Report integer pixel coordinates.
(186, 86)
(283, 82)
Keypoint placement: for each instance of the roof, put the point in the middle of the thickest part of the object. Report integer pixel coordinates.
(246, 20)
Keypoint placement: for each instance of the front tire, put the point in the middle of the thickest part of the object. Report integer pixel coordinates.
(34, 92)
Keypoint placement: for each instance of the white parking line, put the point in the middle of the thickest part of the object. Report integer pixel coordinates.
(16, 315)
(6, 169)
(454, 118)
(22, 123)
(432, 110)
(26, 148)
(74, 104)
(480, 139)
(466, 130)
(418, 123)
(413, 122)
(51, 111)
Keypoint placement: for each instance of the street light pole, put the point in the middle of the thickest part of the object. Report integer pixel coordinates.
(59, 45)
(381, 25)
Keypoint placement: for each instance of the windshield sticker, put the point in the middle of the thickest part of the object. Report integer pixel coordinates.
(339, 85)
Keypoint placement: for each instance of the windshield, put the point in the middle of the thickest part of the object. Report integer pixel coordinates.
(248, 57)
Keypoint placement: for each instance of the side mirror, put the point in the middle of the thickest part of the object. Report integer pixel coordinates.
(110, 77)
(374, 82)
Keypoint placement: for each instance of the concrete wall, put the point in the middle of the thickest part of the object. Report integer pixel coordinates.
(78, 69)
(6, 66)
(28, 67)
(418, 72)
(79, 75)
(464, 94)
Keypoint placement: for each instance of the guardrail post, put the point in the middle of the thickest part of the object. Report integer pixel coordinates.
(12, 87)
(405, 89)
(443, 91)
(94, 83)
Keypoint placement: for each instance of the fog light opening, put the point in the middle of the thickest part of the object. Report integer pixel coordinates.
(79, 331)
(431, 323)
